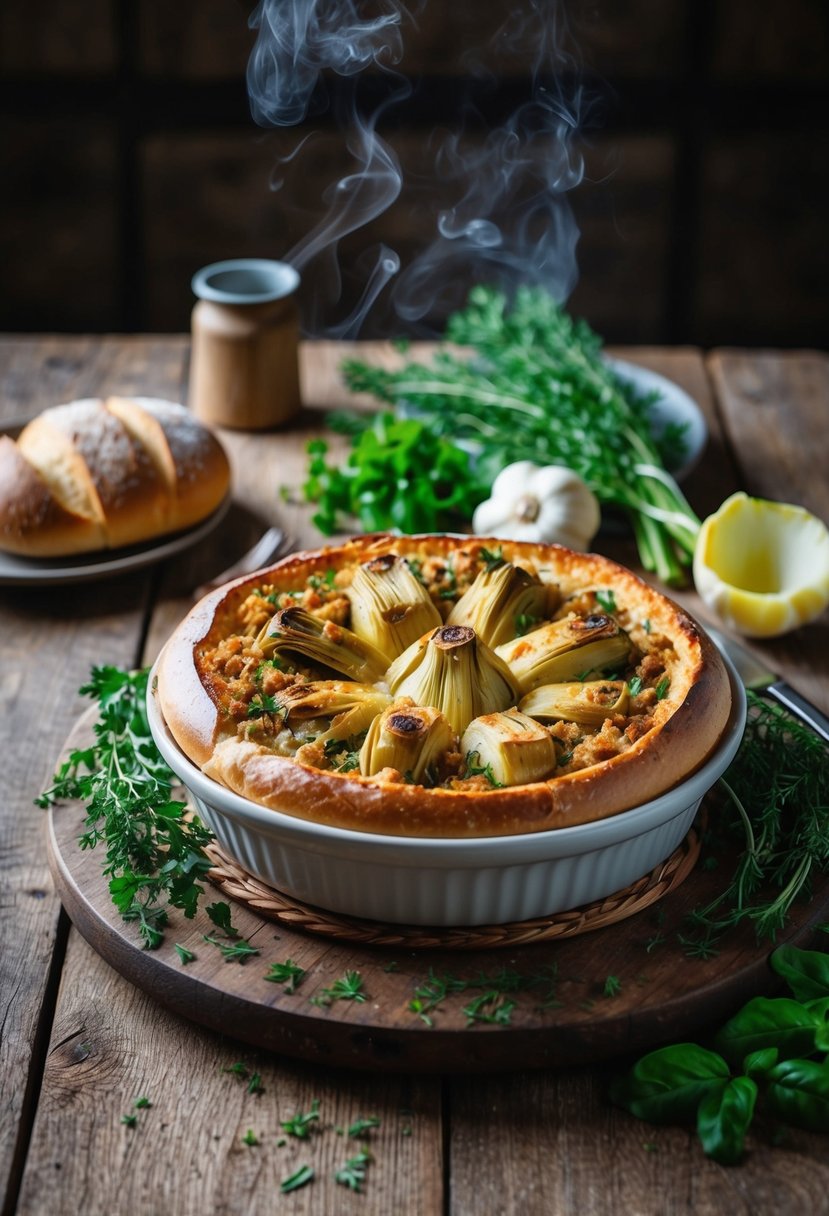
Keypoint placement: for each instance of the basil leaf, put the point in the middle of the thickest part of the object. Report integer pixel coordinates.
(666, 1086)
(723, 1119)
(764, 1022)
(798, 1094)
(805, 971)
(758, 1063)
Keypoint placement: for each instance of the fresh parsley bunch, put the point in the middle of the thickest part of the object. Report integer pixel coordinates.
(398, 474)
(154, 853)
(773, 1055)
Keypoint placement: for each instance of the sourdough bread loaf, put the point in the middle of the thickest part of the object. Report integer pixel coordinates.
(101, 474)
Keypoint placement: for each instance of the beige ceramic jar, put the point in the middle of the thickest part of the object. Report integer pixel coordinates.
(245, 329)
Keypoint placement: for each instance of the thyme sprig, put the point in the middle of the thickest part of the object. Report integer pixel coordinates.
(777, 808)
(154, 854)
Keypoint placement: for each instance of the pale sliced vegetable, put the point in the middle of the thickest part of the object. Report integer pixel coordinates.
(511, 747)
(503, 601)
(295, 631)
(348, 707)
(390, 608)
(588, 703)
(570, 649)
(763, 566)
(411, 739)
(454, 671)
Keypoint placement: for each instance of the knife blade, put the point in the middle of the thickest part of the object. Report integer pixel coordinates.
(758, 678)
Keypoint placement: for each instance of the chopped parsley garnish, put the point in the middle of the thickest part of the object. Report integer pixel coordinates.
(348, 988)
(353, 1173)
(360, 1128)
(612, 986)
(234, 952)
(184, 954)
(220, 914)
(287, 974)
(635, 686)
(662, 688)
(473, 769)
(250, 1138)
(492, 559)
(300, 1177)
(301, 1123)
(607, 600)
(524, 622)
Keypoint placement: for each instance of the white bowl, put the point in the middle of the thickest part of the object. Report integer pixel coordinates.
(423, 881)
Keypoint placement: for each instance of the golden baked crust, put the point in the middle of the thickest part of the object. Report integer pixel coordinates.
(681, 697)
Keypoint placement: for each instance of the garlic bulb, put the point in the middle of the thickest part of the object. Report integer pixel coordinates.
(548, 504)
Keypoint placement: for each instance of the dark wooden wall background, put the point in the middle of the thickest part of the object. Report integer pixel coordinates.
(129, 159)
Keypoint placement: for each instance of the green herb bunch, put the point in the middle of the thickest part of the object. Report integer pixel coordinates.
(398, 474)
(777, 809)
(154, 854)
(531, 384)
(771, 1056)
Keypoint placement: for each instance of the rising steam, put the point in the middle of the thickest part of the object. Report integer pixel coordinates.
(498, 201)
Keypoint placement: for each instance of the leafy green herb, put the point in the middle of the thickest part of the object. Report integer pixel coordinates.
(777, 808)
(221, 914)
(250, 1138)
(490, 1007)
(360, 1128)
(239, 1069)
(262, 704)
(535, 386)
(348, 988)
(492, 558)
(398, 474)
(299, 1178)
(662, 688)
(234, 952)
(344, 754)
(300, 1124)
(184, 954)
(474, 768)
(353, 1173)
(607, 600)
(635, 686)
(287, 973)
(129, 1120)
(765, 1058)
(612, 986)
(255, 1085)
(524, 622)
(142, 1103)
(154, 852)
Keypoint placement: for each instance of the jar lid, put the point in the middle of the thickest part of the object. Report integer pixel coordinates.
(245, 281)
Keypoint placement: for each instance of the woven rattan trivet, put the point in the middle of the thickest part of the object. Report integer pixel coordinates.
(273, 905)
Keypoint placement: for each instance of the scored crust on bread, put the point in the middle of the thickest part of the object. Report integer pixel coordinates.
(231, 708)
(95, 474)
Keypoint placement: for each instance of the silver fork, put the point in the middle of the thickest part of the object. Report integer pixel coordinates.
(271, 544)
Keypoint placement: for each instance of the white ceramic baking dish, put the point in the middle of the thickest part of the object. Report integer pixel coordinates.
(422, 881)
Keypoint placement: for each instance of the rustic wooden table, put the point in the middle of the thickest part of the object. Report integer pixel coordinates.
(78, 1043)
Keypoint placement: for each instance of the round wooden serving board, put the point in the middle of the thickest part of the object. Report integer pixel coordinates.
(562, 1015)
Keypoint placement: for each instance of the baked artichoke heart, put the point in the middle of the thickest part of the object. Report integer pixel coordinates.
(568, 649)
(294, 631)
(587, 703)
(409, 738)
(512, 747)
(349, 707)
(390, 608)
(499, 601)
(452, 670)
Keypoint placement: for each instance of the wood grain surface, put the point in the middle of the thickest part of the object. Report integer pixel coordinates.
(561, 1016)
(79, 1043)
